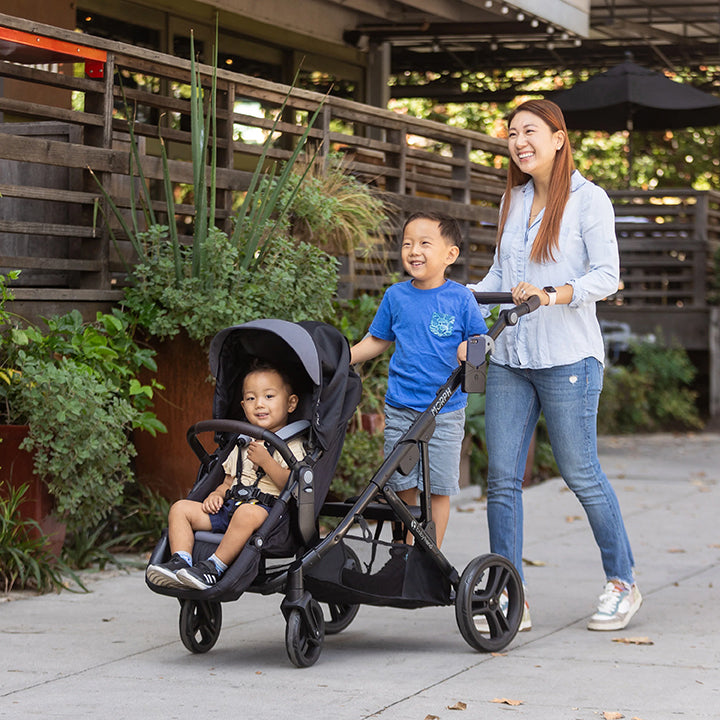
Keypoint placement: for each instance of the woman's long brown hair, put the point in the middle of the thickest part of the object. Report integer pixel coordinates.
(547, 238)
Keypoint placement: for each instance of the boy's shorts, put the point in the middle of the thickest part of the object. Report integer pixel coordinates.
(443, 449)
(221, 519)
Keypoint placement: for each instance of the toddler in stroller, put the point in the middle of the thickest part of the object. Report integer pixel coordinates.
(241, 503)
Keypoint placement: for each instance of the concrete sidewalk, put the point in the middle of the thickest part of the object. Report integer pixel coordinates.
(116, 652)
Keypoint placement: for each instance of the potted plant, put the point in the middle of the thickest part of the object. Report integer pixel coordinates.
(73, 388)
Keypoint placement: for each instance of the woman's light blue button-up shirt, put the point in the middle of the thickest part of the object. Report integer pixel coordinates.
(587, 259)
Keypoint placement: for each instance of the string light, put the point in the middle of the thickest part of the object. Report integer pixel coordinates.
(520, 17)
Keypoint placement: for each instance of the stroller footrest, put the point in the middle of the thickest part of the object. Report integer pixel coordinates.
(208, 537)
(374, 511)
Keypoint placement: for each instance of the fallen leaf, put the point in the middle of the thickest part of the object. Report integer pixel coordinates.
(634, 641)
(612, 715)
(466, 509)
(572, 518)
(676, 550)
(506, 701)
(534, 563)
(497, 654)
(432, 717)
(459, 705)
(635, 717)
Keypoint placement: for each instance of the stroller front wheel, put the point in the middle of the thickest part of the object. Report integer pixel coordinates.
(200, 624)
(489, 603)
(303, 643)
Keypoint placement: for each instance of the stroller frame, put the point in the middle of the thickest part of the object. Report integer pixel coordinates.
(490, 586)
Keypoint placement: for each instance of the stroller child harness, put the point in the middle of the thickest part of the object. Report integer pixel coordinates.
(240, 493)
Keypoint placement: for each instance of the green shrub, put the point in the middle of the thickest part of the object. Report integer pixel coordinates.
(355, 318)
(25, 561)
(75, 384)
(651, 393)
(294, 281)
(361, 456)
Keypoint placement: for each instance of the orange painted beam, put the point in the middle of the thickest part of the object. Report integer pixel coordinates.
(59, 50)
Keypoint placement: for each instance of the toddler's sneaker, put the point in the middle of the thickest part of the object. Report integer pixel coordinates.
(201, 576)
(618, 603)
(481, 622)
(165, 574)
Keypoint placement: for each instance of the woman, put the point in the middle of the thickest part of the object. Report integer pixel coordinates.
(556, 240)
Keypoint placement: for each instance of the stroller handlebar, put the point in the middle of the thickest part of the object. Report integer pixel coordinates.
(508, 316)
(237, 427)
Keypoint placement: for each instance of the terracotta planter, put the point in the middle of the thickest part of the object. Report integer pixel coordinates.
(165, 462)
(16, 469)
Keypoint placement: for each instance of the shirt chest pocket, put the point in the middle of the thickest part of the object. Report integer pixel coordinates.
(512, 243)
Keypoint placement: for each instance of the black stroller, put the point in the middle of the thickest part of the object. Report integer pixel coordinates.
(340, 571)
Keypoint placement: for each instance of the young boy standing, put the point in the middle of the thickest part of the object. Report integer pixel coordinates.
(267, 401)
(427, 317)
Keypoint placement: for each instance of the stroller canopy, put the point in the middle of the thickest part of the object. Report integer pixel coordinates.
(315, 356)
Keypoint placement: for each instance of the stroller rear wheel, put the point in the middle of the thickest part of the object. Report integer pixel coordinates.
(303, 645)
(200, 624)
(490, 589)
(342, 614)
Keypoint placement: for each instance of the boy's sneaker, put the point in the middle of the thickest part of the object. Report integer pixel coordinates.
(618, 603)
(481, 622)
(201, 576)
(165, 574)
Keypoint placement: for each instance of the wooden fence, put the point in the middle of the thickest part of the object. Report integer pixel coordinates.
(46, 217)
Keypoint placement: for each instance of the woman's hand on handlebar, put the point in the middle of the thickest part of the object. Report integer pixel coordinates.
(522, 291)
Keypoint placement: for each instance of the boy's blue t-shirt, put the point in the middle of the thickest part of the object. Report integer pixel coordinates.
(427, 326)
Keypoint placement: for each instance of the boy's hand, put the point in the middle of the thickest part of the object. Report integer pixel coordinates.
(212, 503)
(257, 453)
(462, 351)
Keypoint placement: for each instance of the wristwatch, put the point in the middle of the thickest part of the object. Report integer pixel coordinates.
(551, 293)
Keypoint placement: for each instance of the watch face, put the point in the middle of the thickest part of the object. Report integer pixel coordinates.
(549, 289)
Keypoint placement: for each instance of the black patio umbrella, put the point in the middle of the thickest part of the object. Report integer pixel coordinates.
(631, 97)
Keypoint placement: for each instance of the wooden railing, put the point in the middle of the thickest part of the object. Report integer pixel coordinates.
(46, 216)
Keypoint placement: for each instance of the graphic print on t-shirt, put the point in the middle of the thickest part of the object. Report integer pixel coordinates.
(442, 324)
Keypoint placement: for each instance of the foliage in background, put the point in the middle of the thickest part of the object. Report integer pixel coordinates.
(362, 455)
(355, 317)
(363, 451)
(651, 393)
(296, 281)
(75, 384)
(25, 561)
(332, 209)
(221, 279)
(662, 159)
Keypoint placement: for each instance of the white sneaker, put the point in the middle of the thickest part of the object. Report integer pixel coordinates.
(618, 603)
(481, 623)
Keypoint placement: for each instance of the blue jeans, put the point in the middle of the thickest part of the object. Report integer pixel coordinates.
(568, 397)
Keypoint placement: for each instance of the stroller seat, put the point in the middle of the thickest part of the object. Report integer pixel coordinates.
(316, 358)
(206, 540)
